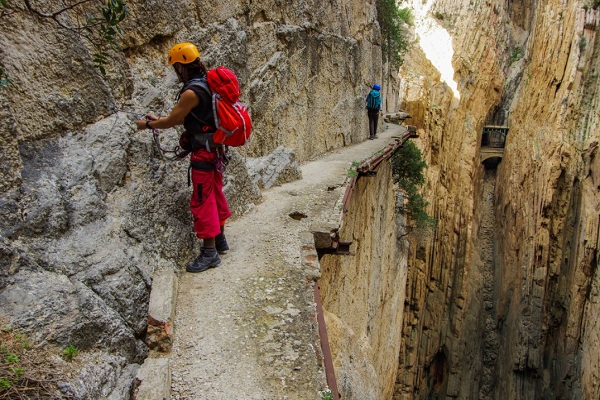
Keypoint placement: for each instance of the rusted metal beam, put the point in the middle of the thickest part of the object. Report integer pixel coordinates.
(412, 130)
(331, 245)
(327, 360)
(368, 173)
(340, 247)
(369, 166)
(348, 195)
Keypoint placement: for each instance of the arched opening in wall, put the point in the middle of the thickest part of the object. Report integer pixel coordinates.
(491, 163)
(439, 370)
(438, 375)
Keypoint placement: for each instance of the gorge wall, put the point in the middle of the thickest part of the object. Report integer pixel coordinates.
(89, 210)
(501, 303)
(363, 294)
(506, 306)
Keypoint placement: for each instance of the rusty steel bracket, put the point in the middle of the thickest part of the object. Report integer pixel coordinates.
(331, 244)
(325, 348)
(342, 248)
(412, 131)
(368, 173)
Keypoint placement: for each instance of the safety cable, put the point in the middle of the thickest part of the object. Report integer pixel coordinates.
(177, 153)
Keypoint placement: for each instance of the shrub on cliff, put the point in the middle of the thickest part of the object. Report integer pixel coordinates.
(407, 167)
(28, 370)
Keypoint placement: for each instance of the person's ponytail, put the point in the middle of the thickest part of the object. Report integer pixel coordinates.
(194, 69)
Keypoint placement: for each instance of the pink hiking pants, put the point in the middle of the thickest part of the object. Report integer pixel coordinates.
(208, 203)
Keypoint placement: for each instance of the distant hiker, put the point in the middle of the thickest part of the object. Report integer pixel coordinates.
(373, 109)
(194, 111)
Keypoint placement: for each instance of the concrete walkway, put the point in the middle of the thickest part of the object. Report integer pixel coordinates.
(247, 329)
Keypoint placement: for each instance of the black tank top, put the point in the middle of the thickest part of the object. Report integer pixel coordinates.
(200, 122)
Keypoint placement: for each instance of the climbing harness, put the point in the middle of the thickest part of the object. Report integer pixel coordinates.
(177, 153)
(219, 165)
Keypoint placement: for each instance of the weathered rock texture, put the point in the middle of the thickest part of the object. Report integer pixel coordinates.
(88, 209)
(363, 294)
(274, 169)
(507, 307)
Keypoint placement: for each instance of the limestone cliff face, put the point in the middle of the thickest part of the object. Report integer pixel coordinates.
(363, 293)
(503, 302)
(87, 204)
(303, 68)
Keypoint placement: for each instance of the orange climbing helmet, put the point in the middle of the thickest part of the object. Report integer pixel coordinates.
(184, 53)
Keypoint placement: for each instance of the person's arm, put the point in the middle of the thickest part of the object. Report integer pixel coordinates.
(187, 102)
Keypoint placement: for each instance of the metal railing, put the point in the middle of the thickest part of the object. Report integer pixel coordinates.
(494, 136)
(365, 169)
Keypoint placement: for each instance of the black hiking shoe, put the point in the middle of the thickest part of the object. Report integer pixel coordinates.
(221, 243)
(208, 258)
(371, 137)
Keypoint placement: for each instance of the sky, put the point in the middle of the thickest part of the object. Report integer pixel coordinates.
(435, 41)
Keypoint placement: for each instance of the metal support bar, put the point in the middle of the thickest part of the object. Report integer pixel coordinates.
(333, 246)
(494, 136)
(412, 131)
(327, 360)
(368, 173)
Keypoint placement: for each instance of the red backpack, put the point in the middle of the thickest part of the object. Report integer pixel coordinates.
(232, 119)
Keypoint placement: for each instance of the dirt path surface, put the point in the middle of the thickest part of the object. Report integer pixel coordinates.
(247, 329)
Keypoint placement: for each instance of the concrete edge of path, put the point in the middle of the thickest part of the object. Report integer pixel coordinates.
(153, 379)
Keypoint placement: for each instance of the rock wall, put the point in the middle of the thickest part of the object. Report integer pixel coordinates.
(87, 204)
(532, 332)
(363, 293)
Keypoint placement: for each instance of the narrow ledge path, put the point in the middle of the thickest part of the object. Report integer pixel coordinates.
(247, 329)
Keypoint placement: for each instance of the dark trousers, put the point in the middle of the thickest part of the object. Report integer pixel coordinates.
(373, 119)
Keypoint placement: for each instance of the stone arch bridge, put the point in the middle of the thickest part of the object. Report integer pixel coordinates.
(492, 144)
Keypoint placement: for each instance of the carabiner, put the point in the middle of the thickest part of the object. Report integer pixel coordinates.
(219, 165)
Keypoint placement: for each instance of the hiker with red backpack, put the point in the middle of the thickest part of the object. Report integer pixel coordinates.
(206, 115)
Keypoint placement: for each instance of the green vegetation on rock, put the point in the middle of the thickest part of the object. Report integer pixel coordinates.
(393, 21)
(407, 167)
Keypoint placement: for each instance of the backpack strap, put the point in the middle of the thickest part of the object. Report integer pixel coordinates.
(204, 85)
(214, 96)
(201, 139)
